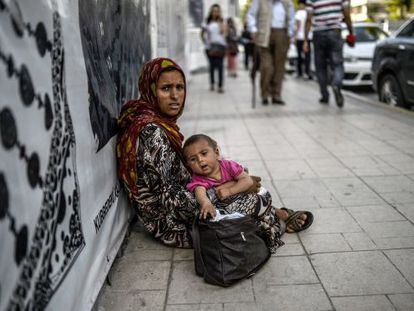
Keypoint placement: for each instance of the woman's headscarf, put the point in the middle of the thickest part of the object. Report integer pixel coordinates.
(136, 114)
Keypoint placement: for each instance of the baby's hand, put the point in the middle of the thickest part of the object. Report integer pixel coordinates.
(223, 193)
(207, 208)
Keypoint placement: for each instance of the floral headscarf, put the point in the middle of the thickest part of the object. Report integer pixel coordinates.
(136, 114)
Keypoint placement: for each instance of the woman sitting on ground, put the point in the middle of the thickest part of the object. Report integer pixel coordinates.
(152, 170)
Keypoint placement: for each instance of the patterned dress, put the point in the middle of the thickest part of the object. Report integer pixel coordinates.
(167, 209)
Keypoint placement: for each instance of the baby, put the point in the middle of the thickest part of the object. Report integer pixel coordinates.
(228, 177)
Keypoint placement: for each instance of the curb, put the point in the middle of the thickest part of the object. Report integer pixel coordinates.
(378, 104)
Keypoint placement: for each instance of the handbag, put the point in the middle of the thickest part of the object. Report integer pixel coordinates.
(216, 50)
(228, 251)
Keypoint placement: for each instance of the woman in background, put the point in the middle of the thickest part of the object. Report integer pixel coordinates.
(232, 48)
(213, 34)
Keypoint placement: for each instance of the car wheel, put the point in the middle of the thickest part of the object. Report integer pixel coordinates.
(390, 92)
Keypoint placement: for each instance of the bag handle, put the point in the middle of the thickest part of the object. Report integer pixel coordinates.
(198, 258)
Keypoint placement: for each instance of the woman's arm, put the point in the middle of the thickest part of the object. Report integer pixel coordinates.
(163, 176)
(244, 182)
(206, 207)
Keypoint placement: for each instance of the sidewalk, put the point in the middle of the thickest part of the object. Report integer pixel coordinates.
(353, 168)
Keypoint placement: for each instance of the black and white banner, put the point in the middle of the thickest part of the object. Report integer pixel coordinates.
(66, 67)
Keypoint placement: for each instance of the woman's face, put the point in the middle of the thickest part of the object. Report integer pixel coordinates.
(215, 13)
(170, 92)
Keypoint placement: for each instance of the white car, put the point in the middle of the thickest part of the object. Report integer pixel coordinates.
(357, 60)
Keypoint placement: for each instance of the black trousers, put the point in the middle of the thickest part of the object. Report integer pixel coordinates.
(302, 56)
(216, 64)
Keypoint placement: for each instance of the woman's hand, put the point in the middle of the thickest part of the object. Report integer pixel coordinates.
(223, 193)
(256, 184)
(207, 208)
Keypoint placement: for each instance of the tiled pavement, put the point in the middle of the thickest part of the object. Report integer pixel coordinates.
(353, 168)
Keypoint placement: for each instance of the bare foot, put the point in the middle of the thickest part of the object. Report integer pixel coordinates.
(282, 214)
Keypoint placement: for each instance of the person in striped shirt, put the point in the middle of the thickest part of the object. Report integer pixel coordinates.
(326, 17)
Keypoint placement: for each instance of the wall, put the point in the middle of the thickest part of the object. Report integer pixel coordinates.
(66, 67)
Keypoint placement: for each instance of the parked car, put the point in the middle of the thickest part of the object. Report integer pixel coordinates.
(358, 59)
(393, 67)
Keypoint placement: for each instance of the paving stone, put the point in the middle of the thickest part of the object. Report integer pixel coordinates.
(332, 220)
(290, 238)
(407, 210)
(183, 254)
(128, 273)
(368, 166)
(374, 213)
(329, 167)
(150, 255)
(389, 229)
(302, 188)
(293, 298)
(359, 241)
(402, 302)
(403, 260)
(358, 198)
(387, 184)
(301, 203)
(246, 306)
(362, 303)
(322, 243)
(196, 307)
(358, 273)
(394, 242)
(131, 300)
(289, 169)
(284, 271)
(138, 241)
(290, 250)
(188, 288)
(398, 197)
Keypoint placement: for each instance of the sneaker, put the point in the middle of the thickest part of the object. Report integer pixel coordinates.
(220, 90)
(265, 101)
(277, 101)
(324, 100)
(211, 87)
(338, 96)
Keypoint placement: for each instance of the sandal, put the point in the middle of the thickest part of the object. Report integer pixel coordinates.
(293, 217)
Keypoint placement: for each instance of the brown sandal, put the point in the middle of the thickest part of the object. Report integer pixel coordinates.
(293, 217)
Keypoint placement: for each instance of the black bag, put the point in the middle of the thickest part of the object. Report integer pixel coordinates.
(216, 50)
(228, 251)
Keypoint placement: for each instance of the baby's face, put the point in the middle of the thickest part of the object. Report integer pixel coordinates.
(202, 158)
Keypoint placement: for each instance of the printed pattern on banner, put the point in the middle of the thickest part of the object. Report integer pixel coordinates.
(116, 42)
(66, 68)
(43, 254)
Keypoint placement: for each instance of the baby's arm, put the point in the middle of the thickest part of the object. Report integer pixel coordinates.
(206, 207)
(244, 182)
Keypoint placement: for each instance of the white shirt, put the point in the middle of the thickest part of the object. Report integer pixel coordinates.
(301, 17)
(279, 15)
(277, 20)
(213, 34)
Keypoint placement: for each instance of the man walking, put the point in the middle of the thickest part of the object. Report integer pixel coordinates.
(327, 16)
(300, 19)
(271, 23)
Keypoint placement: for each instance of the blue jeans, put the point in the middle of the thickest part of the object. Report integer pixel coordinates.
(328, 51)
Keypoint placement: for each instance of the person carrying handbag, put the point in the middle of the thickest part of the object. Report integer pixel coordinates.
(213, 34)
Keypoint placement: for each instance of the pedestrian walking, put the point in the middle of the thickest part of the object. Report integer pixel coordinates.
(213, 34)
(326, 16)
(272, 26)
(248, 44)
(303, 57)
(232, 48)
